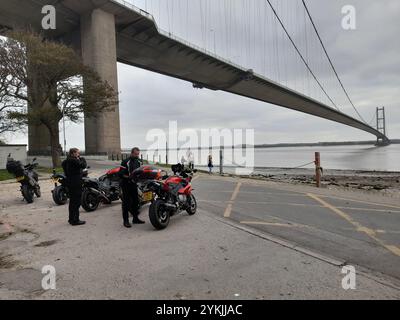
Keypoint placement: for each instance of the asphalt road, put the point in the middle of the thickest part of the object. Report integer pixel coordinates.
(359, 232)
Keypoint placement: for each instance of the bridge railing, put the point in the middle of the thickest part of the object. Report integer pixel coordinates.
(174, 37)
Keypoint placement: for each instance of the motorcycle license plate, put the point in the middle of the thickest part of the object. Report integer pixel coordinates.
(20, 178)
(147, 196)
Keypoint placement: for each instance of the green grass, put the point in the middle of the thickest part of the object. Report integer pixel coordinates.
(4, 175)
(44, 170)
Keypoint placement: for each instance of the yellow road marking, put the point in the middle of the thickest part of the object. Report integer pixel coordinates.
(367, 209)
(235, 193)
(269, 193)
(369, 232)
(275, 224)
(228, 210)
(301, 205)
(361, 201)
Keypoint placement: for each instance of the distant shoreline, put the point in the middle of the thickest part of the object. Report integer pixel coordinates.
(290, 145)
(322, 144)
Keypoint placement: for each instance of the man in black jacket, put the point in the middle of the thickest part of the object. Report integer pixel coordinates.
(73, 168)
(130, 197)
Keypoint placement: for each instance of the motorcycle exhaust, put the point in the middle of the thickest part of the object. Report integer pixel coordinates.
(171, 206)
(99, 194)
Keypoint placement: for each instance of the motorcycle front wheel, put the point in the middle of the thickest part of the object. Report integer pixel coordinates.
(159, 216)
(90, 201)
(60, 195)
(27, 193)
(192, 209)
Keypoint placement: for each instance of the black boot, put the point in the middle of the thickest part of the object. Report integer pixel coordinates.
(77, 223)
(136, 220)
(127, 224)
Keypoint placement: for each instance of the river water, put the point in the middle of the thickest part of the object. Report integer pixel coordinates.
(355, 157)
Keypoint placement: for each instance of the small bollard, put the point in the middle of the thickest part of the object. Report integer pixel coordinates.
(318, 169)
(221, 162)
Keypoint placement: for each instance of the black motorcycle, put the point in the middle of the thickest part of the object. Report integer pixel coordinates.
(106, 190)
(26, 176)
(60, 192)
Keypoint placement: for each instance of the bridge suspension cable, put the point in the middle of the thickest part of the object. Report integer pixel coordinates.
(330, 61)
(301, 55)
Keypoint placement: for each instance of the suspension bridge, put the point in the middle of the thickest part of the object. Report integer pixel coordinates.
(271, 51)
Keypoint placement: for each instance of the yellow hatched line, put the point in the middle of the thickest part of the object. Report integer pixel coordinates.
(235, 193)
(360, 228)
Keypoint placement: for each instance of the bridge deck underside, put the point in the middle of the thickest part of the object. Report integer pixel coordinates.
(141, 44)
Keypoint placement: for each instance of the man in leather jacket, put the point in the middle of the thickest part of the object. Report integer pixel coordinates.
(73, 168)
(130, 197)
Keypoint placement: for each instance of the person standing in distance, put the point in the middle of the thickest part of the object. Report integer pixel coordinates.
(210, 164)
(130, 197)
(73, 168)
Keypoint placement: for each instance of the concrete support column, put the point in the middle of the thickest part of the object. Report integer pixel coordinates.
(99, 51)
(38, 140)
(38, 134)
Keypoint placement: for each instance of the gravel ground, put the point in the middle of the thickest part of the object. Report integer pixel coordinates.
(198, 257)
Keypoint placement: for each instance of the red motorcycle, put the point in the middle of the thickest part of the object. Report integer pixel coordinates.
(172, 196)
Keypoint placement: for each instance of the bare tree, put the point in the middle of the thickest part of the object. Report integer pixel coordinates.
(6, 124)
(46, 81)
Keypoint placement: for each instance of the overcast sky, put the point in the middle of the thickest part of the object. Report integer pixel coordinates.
(367, 60)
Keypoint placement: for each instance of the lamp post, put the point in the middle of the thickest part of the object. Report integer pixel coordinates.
(65, 139)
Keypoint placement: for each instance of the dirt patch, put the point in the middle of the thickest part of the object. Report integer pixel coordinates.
(7, 262)
(4, 236)
(46, 243)
(27, 281)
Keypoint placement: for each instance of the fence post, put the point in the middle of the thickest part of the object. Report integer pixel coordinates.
(166, 153)
(221, 162)
(318, 169)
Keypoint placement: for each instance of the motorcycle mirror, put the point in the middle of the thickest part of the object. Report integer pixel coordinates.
(34, 159)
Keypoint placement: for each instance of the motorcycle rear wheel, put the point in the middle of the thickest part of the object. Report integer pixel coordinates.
(159, 216)
(27, 193)
(90, 201)
(59, 195)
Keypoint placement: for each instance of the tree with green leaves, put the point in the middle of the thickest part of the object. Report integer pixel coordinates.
(45, 81)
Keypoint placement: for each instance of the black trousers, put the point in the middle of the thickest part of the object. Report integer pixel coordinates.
(75, 198)
(130, 200)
